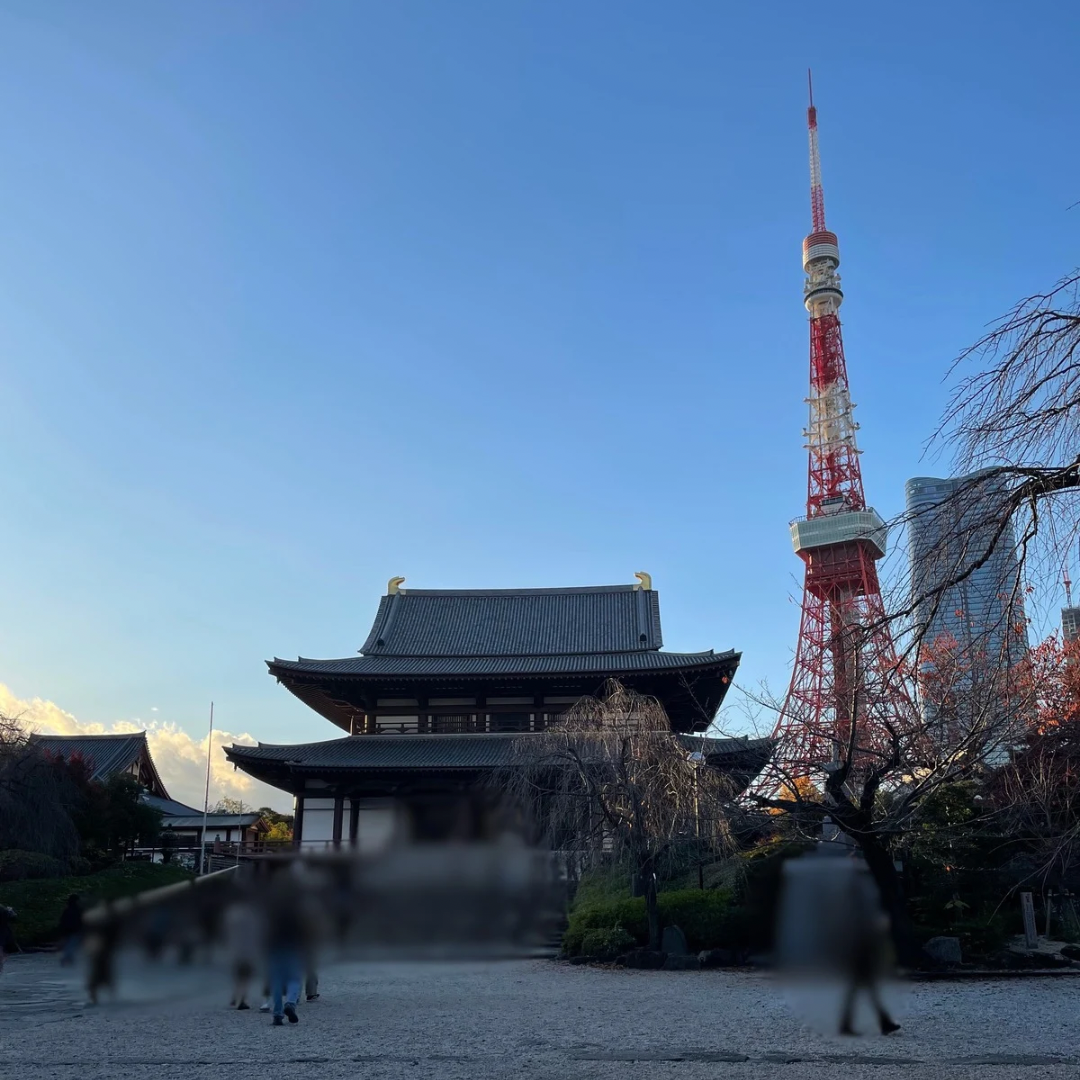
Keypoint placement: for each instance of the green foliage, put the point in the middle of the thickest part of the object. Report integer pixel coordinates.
(707, 918)
(760, 893)
(18, 865)
(627, 913)
(704, 916)
(606, 944)
(979, 937)
(39, 903)
(280, 825)
(603, 884)
(955, 876)
(113, 816)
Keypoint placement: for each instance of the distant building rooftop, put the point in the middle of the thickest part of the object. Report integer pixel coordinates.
(108, 756)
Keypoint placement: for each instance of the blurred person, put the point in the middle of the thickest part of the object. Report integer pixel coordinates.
(289, 937)
(7, 933)
(71, 926)
(868, 953)
(101, 947)
(242, 937)
(833, 934)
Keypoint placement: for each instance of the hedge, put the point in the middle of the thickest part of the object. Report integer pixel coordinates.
(18, 865)
(707, 918)
(38, 904)
(606, 944)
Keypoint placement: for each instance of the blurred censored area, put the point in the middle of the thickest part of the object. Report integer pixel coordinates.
(834, 950)
(446, 901)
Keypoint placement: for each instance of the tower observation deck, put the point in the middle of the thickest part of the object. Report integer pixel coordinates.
(845, 688)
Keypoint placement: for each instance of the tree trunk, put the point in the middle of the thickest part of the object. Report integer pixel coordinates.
(879, 862)
(652, 906)
(652, 909)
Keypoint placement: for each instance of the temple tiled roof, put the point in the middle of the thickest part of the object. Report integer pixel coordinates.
(516, 622)
(213, 821)
(487, 751)
(445, 643)
(423, 666)
(169, 807)
(108, 754)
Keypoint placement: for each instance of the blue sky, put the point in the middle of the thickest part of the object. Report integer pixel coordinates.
(298, 297)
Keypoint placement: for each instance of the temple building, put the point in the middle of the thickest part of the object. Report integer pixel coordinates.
(182, 826)
(107, 756)
(448, 680)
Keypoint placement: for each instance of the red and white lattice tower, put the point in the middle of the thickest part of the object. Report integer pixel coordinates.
(846, 665)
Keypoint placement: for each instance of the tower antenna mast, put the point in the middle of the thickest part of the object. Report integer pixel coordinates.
(846, 693)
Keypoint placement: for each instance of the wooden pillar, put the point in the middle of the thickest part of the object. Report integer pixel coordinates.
(354, 820)
(339, 813)
(298, 822)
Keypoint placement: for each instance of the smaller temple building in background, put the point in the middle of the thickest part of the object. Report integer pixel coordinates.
(107, 756)
(128, 755)
(448, 680)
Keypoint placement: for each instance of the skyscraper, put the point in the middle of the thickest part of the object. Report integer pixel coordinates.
(952, 524)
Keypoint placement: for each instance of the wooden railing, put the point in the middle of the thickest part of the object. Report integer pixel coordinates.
(198, 855)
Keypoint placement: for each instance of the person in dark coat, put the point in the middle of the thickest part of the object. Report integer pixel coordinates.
(7, 934)
(867, 952)
(71, 925)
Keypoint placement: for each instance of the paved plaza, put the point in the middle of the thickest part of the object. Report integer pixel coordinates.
(528, 1019)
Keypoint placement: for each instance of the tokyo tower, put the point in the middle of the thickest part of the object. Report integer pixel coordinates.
(845, 695)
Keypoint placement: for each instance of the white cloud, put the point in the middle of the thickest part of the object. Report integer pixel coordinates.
(180, 759)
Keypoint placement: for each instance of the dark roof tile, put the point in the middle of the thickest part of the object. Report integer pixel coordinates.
(168, 807)
(213, 821)
(613, 663)
(443, 752)
(516, 622)
(109, 754)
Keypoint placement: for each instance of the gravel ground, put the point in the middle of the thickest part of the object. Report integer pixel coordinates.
(529, 1019)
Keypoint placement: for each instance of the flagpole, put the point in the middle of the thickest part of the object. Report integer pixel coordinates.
(206, 800)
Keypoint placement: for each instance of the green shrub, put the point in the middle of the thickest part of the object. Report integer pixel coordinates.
(978, 936)
(627, 914)
(703, 915)
(606, 944)
(602, 884)
(29, 865)
(39, 903)
(707, 918)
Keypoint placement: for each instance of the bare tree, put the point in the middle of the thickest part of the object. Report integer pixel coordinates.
(873, 788)
(611, 778)
(1017, 420)
(1038, 789)
(35, 801)
(1015, 426)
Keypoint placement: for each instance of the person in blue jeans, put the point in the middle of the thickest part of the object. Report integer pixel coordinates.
(285, 977)
(287, 936)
